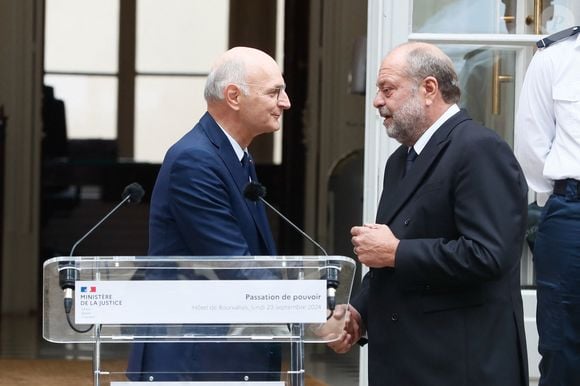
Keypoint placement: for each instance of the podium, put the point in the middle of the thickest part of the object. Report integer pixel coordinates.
(220, 302)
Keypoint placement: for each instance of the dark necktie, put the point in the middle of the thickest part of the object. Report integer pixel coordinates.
(411, 157)
(248, 166)
(258, 207)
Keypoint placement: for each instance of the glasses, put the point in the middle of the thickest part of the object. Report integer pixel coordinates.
(272, 92)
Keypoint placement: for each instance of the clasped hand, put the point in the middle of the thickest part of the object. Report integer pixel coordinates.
(344, 328)
(375, 245)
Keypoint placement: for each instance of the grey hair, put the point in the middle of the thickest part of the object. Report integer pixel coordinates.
(227, 72)
(424, 62)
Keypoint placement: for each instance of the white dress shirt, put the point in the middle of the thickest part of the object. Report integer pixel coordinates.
(237, 148)
(547, 128)
(426, 136)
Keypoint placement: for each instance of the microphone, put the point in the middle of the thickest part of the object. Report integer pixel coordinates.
(134, 192)
(67, 271)
(255, 191)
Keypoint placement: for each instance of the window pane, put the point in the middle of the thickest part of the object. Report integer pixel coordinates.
(81, 35)
(165, 109)
(486, 79)
(90, 104)
(180, 35)
(562, 14)
(462, 16)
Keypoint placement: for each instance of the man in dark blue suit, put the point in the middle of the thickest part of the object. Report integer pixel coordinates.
(198, 209)
(441, 303)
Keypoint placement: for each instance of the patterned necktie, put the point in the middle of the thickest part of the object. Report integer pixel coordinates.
(258, 208)
(247, 165)
(411, 157)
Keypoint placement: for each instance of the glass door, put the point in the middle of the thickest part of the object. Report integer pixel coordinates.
(491, 43)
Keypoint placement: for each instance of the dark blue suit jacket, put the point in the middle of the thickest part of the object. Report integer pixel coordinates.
(198, 206)
(198, 209)
(450, 312)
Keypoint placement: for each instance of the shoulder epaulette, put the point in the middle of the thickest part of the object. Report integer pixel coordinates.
(547, 41)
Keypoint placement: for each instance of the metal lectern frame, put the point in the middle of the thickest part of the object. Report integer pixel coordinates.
(60, 327)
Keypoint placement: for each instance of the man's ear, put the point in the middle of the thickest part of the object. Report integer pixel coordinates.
(232, 95)
(431, 87)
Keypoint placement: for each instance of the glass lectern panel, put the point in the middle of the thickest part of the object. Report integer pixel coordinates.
(124, 299)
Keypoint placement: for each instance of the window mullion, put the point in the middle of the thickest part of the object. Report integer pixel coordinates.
(127, 73)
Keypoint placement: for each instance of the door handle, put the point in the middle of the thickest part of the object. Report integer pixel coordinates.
(508, 19)
(537, 18)
(497, 80)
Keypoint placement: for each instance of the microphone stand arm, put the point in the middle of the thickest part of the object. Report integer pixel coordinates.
(294, 226)
(331, 274)
(99, 223)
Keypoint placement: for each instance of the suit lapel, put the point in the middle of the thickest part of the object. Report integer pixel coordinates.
(238, 173)
(225, 151)
(397, 190)
(392, 179)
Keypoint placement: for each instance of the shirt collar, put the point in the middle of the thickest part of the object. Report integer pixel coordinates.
(237, 148)
(423, 139)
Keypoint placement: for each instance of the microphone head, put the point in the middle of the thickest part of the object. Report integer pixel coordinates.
(135, 193)
(254, 191)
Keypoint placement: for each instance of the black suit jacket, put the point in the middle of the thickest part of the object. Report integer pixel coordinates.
(450, 312)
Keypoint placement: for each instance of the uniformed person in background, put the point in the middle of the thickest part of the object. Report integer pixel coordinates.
(547, 144)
